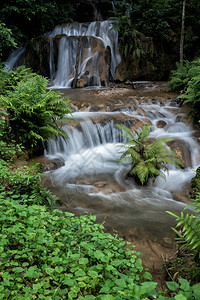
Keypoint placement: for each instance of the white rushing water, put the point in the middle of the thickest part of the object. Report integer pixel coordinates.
(14, 57)
(75, 58)
(68, 48)
(91, 157)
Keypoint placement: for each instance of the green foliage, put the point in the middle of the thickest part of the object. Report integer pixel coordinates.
(183, 290)
(191, 95)
(33, 112)
(24, 184)
(6, 40)
(54, 256)
(9, 80)
(148, 160)
(127, 34)
(31, 18)
(189, 232)
(186, 79)
(153, 18)
(161, 19)
(195, 184)
(179, 77)
(9, 150)
(51, 255)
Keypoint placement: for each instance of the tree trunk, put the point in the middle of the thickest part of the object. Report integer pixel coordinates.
(182, 33)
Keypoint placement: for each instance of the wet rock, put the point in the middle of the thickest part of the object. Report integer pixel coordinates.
(151, 115)
(181, 148)
(161, 124)
(99, 107)
(178, 119)
(49, 165)
(73, 107)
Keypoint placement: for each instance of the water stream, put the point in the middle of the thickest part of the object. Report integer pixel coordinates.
(93, 180)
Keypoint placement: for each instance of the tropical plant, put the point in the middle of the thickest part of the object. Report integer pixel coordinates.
(7, 42)
(127, 34)
(148, 159)
(188, 232)
(33, 112)
(32, 18)
(179, 77)
(191, 95)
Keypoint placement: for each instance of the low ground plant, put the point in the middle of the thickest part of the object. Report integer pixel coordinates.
(24, 184)
(54, 256)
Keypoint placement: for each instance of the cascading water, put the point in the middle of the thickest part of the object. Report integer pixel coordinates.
(84, 52)
(14, 58)
(92, 179)
(69, 51)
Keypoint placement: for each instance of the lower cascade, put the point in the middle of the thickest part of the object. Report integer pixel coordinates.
(93, 180)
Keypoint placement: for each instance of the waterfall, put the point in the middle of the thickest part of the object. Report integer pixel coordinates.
(69, 51)
(85, 55)
(14, 58)
(91, 161)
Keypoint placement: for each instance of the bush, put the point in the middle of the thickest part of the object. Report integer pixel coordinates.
(24, 184)
(186, 79)
(191, 94)
(179, 78)
(7, 42)
(33, 112)
(188, 233)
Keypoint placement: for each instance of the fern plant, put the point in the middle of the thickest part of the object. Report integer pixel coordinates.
(33, 112)
(189, 234)
(191, 95)
(179, 78)
(148, 159)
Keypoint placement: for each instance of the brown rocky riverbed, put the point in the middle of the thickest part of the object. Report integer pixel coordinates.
(112, 100)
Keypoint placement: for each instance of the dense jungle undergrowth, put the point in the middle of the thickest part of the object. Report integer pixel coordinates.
(45, 254)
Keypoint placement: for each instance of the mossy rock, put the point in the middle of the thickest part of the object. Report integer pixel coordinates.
(195, 184)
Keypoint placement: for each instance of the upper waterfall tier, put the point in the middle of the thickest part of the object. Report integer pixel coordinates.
(87, 54)
(73, 55)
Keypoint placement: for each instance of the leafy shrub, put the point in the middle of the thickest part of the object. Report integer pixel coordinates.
(127, 34)
(179, 78)
(186, 79)
(9, 150)
(189, 233)
(195, 184)
(24, 185)
(191, 95)
(33, 112)
(54, 256)
(9, 79)
(7, 42)
(148, 160)
(183, 290)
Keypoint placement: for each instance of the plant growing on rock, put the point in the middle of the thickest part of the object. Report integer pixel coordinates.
(148, 159)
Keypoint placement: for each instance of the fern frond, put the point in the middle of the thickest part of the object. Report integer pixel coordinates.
(141, 171)
(127, 132)
(144, 133)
